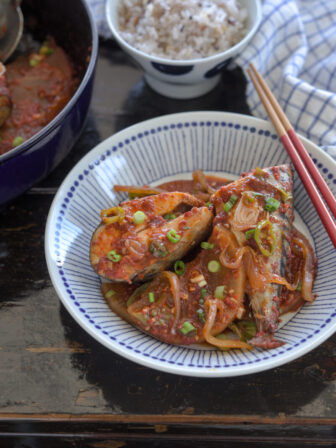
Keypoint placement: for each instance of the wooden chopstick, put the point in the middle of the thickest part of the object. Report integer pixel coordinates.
(311, 167)
(291, 148)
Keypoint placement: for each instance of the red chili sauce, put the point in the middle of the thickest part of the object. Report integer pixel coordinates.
(188, 186)
(39, 86)
(159, 319)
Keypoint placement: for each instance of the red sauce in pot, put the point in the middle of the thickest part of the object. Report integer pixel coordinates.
(38, 93)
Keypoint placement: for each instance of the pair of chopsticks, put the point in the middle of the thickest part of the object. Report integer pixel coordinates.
(297, 152)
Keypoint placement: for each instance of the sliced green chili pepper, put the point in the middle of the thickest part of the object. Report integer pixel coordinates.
(249, 234)
(112, 215)
(257, 236)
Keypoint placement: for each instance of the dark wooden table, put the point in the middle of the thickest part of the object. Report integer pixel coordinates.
(61, 388)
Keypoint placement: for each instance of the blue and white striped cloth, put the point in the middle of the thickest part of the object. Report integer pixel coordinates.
(295, 50)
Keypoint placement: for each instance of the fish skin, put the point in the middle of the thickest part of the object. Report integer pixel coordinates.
(265, 304)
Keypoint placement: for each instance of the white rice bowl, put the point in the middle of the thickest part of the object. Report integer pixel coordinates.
(182, 29)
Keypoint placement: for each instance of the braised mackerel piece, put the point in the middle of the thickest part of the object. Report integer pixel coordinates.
(258, 214)
(142, 237)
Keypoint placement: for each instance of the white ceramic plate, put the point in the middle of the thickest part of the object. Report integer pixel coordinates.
(164, 148)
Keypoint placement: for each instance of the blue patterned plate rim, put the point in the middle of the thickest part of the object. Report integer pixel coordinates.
(116, 144)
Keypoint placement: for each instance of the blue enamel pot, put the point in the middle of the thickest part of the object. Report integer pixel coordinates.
(72, 26)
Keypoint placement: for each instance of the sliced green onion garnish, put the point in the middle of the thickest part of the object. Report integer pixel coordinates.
(230, 203)
(179, 267)
(169, 216)
(139, 217)
(249, 234)
(113, 256)
(271, 204)
(201, 301)
(213, 266)
(110, 293)
(173, 237)
(151, 297)
(257, 236)
(205, 245)
(220, 292)
(204, 293)
(208, 204)
(201, 315)
(299, 287)
(17, 141)
(187, 327)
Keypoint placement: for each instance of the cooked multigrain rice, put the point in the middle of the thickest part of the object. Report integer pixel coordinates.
(182, 29)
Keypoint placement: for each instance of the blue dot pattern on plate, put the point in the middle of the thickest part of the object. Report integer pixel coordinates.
(168, 149)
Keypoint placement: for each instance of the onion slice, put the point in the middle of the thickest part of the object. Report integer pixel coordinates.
(245, 215)
(208, 327)
(308, 268)
(174, 282)
(199, 177)
(175, 287)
